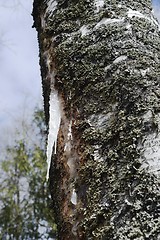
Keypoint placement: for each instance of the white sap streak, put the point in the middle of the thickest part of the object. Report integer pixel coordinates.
(144, 71)
(67, 146)
(150, 148)
(107, 67)
(99, 4)
(74, 197)
(147, 116)
(127, 202)
(71, 161)
(97, 156)
(151, 154)
(54, 123)
(128, 26)
(106, 21)
(119, 5)
(132, 13)
(51, 5)
(84, 30)
(43, 23)
(70, 131)
(119, 59)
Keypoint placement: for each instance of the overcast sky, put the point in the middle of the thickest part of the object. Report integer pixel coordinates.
(19, 69)
(20, 80)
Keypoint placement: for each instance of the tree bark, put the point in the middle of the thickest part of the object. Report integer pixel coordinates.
(102, 58)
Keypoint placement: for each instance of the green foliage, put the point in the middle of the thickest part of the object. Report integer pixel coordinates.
(25, 206)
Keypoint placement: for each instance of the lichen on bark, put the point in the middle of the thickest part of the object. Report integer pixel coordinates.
(106, 64)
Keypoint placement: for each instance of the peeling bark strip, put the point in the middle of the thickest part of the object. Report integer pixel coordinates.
(104, 58)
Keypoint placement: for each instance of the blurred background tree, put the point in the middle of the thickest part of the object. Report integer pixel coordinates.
(24, 198)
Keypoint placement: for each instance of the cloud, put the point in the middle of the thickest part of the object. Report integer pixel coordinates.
(19, 67)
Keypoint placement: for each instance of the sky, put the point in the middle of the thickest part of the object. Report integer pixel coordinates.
(20, 81)
(20, 88)
(19, 64)
(156, 6)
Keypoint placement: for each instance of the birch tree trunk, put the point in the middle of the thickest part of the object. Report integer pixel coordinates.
(100, 63)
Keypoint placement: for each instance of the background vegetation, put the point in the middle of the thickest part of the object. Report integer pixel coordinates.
(25, 207)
